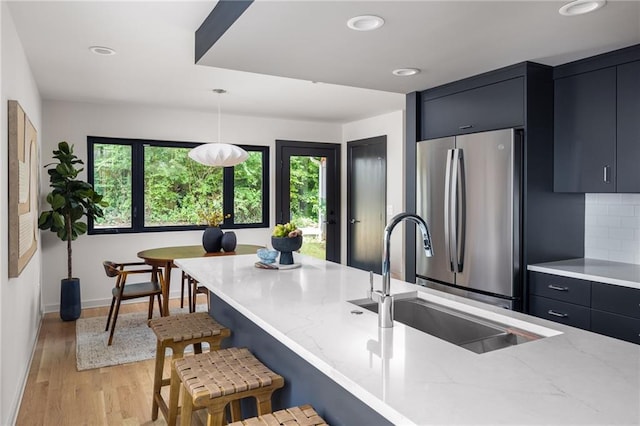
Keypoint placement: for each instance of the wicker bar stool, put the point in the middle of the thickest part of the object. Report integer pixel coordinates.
(301, 416)
(177, 332)
(214, 379)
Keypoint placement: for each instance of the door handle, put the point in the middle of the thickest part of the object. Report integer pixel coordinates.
(352, 221)
(558, 288)
(557, 314)
(447, 207)
(605, 174)
(461, 215)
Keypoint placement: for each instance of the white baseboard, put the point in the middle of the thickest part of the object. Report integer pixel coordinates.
(98, 303)
(15, 405)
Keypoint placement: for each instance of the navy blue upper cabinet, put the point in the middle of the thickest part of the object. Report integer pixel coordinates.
(493, 106)
(628, 147)
(597, 123)
(585, 132)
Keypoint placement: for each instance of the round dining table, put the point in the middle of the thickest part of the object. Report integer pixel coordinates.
(163, 257)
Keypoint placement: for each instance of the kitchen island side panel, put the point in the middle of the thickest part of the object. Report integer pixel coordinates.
(304, 384)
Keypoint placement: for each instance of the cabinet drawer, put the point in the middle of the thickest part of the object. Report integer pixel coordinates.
(560, 288)
(491, 107)
(565, 313)
(616, 299)
(621, 327)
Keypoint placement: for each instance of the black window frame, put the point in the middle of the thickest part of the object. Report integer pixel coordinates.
(137, 186)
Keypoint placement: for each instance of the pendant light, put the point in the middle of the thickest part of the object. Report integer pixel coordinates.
(218, 154)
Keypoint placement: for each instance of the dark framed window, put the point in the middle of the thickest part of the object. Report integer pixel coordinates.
(154, 186)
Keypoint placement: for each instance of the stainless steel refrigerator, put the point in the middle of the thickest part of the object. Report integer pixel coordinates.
(468, 190)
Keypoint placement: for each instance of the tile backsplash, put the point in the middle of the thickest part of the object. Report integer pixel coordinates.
(612, 227)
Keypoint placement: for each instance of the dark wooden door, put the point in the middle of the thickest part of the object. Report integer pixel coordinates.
(628, 143)
(585, 132)
(366, 202)
(308, 193)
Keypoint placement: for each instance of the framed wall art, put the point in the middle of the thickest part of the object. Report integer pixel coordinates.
(23, 189)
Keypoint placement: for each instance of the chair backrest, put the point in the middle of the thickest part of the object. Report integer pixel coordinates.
(111, 268)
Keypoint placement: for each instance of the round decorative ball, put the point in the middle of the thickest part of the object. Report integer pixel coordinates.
(212, 239)
(229, 241)
(266, 255)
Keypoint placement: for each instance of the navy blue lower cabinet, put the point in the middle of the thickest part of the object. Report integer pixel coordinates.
(562, 312)
(619, 326)
(304, 384)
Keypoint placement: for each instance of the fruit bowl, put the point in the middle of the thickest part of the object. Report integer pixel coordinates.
(285, 246)
(266, 255)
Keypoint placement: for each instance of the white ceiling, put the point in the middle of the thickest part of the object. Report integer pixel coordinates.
(306, 40)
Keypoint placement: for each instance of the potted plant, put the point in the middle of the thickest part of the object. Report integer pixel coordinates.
(286, 239)
(70, 200)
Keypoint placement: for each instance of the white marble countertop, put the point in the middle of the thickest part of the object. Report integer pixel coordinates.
(604, 271)
(573, 377)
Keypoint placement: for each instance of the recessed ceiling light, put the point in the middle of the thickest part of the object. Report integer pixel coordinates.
(365, 23)
(101, 50)
(580, 7)
(405, 72)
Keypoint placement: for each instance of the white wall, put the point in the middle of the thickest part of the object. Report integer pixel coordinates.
(391, 125)
(73, 122)
(612, 227)
(20, 311)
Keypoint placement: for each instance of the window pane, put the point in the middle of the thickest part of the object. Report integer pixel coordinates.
(247, 195)
(307, 188)
(177, 190)
(112, 179)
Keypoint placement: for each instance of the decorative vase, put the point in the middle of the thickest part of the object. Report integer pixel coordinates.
(70, 308)
(212, 239)
(229, 241)
(286, 246)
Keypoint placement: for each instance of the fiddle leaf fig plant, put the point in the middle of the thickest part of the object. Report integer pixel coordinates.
(70, 200)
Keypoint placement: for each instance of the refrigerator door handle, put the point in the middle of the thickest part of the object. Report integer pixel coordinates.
(461, 215)
(453, 213)
(447, 207)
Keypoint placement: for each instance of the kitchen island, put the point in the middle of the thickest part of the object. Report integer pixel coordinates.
(409, 377)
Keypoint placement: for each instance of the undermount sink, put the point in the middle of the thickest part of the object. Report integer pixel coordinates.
(468, 331)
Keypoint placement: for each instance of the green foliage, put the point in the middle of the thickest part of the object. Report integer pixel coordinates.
(179, 191)
(305, 202)
(70, 200)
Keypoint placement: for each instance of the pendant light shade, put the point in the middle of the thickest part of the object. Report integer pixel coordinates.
(218, 154)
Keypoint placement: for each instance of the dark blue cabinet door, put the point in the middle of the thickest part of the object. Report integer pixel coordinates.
(585, 132)
(491, 107)
(628, 152)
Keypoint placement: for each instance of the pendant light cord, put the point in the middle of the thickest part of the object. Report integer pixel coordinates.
(219, 92)
(219, 121)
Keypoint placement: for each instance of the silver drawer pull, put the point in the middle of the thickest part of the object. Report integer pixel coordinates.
(557, 314)
(555, 287)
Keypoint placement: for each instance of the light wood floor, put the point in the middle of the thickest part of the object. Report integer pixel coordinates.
(57, 394)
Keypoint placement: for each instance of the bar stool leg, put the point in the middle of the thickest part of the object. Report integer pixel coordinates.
(264, 403)
(174, 396)
(236, 410)
(187, 408)
(157, 379)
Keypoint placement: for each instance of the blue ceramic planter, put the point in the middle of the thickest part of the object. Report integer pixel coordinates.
(70, 307)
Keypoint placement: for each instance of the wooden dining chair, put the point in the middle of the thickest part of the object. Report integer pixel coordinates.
(193, 290)
(123, 291)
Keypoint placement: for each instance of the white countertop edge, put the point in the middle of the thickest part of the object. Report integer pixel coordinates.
(380, 407)
(558, 269)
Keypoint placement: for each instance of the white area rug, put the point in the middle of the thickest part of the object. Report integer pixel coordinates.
(133, 340)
